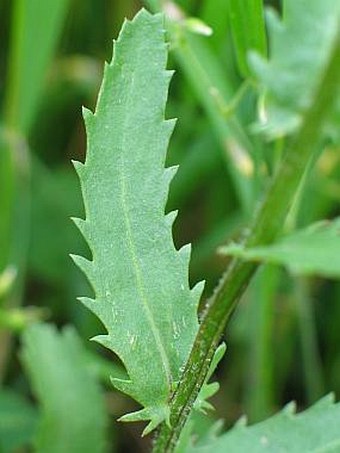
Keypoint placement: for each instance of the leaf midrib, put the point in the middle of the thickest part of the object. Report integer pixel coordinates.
(131, 243)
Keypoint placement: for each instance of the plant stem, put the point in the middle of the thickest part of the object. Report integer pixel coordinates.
(215, 94)
(311, 361)
(17, 216)
(6, 200)
(260, 382)
(268, 223)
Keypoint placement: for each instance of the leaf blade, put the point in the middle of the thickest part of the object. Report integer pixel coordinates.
(142, 295)
(248, 29)
(295, 252)
(73, 410)
(315, 429)
(31, 20)
(290, 76)
(18, 420)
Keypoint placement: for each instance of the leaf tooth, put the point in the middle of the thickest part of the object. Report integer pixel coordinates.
(241, 422)
(151, 426)
(170, 218)
(197, 291)
(325, 402)
(90, 303)
(205, 407)
(218, 356)
(156, 415)
(289, 409)
(79, 168)
(168, 75)
(127, 387)
(125, 28)
(210, 390)
(144, 13)
(89, 118)
(169, 174)
(216, 429)
(169, 125)
(104, 340)
(85, 265)
(98, 109)
(81, 224)
(185, 253)
(196, 294)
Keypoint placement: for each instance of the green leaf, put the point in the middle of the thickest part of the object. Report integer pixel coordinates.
(214, 91)
(313, 250)
(142, 295)
(248, 30)
(36, 28)
(73, 411)
(6, 199)
(300, 46)
(209, 389)
(18, 420)
(314, 430)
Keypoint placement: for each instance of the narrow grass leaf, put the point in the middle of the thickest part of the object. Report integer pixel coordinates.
(248, 30)
(36, 28)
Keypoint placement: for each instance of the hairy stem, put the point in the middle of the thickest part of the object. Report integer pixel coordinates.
(268, 223)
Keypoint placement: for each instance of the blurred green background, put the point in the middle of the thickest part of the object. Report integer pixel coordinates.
(283, 340)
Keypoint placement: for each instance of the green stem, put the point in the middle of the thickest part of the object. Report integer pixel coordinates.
(214, 92)
(268, 223)
(215, 96)
(18, 219)
(311, 362)
(6, 200)
(259, 391)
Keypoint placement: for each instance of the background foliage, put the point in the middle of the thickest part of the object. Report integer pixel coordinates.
(283, 341)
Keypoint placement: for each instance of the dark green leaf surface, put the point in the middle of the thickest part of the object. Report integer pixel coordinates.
(36, 28)
(73, 411)
(314, 430)
(18, 420)
(314, 250)
(142, 295)
(247, 25)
